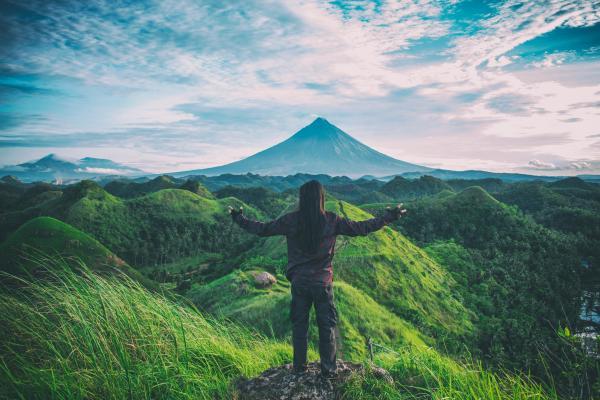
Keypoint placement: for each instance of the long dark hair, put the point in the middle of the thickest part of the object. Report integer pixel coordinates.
(311, 215)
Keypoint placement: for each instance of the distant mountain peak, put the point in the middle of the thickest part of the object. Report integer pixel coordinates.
(319, 128)
(320, 121)
(318, 148)
(53, 167)
(53, 157)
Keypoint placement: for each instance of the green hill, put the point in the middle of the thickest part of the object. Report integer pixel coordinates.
(359, 191)
(573, 183)
(491, 185)
(520, 271)
(391, 270)
(93, 337)
(405, 189)
(48, 235)
(125, 188)
(570, 205)
(197, 188)
(236, 296)
(154, 229)
(45, 236)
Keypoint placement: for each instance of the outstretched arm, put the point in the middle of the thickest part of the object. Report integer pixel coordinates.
(278, 226)
(348, 227)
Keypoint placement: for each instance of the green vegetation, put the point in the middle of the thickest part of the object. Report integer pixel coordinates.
(522, 280)
(496, 272)
(268, 201)
(427, 374)
(154, 229)
(405, 189)
(127, 189)
(570, 206)
(388, 268)
(92, 337)
(45, 235)
(358, 192)
(88, 336)
(237, 297)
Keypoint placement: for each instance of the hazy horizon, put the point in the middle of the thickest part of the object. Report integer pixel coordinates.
(170, 86)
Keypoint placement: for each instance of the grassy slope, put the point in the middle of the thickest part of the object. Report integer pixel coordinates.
(92, 337)
(45, 234)
(521, 279)
(41, 236)
(387, 267)
(235, 296)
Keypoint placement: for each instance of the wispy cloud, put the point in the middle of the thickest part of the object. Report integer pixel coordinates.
(210, 82)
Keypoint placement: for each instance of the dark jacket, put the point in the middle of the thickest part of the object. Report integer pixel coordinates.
(302, 267)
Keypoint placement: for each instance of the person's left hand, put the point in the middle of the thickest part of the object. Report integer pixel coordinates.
(234, 213)
(397, 211)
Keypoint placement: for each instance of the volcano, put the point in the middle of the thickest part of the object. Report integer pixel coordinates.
(319, 148)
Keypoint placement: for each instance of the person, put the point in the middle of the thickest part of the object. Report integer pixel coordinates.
(311, 234)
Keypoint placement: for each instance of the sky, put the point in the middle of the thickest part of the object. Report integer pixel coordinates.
(177, 84)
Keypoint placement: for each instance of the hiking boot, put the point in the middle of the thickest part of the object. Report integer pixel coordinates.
(299, 371)
(329, 375)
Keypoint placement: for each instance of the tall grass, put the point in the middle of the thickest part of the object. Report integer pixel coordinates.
(426, 374)
(89, 336)
(79, 336)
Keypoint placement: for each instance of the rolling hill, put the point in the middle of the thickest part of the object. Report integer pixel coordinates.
(510, 270)
(102, 338)
(237, 297)
(152, 229)
(461, 270)
(391, 270)
(404, 189)
(28, 249)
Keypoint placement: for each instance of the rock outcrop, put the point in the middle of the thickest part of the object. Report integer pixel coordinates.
(264, 279)
(281, 383)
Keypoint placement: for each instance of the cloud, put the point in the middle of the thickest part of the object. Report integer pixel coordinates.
(512, 103)
(538, 164)
(12, 120)
(587, 104)
(186, 79)
(579, 165)
(501, 61)
(517, 22)
(562, 166)
(7, 89)
(552, 60)
(104, 171)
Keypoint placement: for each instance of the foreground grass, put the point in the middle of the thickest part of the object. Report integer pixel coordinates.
(86, 336)
(426, 374)
(93, 337)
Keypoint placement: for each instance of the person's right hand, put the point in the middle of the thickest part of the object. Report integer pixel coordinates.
(397, 211)
(234, 213)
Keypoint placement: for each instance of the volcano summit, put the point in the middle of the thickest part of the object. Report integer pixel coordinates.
(319, 148)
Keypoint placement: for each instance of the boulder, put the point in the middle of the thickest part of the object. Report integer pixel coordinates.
(264, 279)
